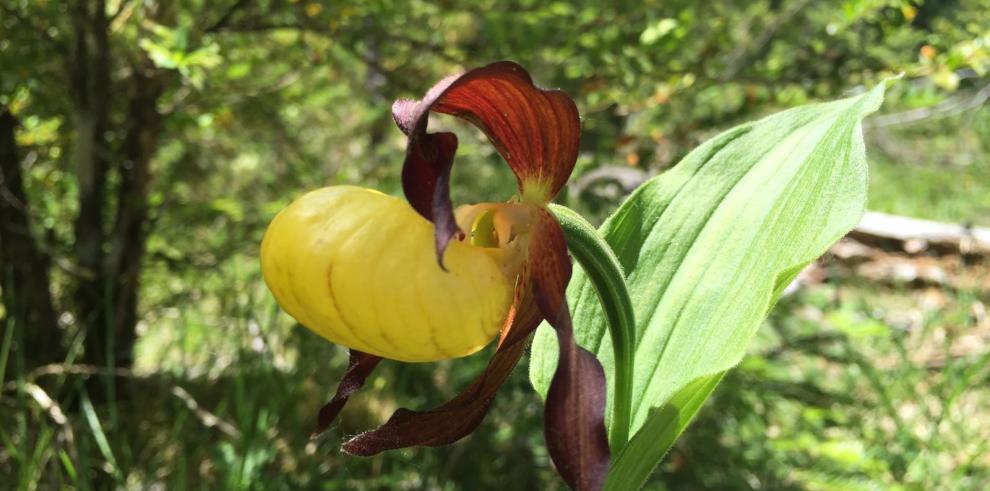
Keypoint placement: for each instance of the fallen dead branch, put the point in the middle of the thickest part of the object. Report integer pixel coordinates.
(914, 235)
(898, 250)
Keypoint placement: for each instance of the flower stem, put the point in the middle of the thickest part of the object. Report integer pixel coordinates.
(603, 269)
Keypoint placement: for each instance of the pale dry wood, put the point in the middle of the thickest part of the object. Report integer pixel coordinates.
(915, 235)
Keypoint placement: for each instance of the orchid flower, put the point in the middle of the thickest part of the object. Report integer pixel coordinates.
(419, 281)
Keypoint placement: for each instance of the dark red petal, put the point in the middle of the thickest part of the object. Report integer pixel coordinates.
(360, 366)
(575, 409)
(445, 424)
(536, 131)
(462, 414)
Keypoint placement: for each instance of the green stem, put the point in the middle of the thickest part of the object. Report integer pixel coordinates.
(603, 269)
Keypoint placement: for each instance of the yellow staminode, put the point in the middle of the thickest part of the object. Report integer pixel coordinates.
(358, 267)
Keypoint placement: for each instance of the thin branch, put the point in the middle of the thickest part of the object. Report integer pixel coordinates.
(269, 26)
(125, 5)
(224, 20)
(742, 55)
(205, 417)
(949, 107)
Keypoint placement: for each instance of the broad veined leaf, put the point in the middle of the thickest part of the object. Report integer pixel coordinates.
(647, 447)
(707, 248)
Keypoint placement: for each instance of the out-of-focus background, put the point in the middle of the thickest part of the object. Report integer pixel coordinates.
(145, 145)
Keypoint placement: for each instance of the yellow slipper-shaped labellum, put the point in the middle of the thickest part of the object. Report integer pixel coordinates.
(358, 267)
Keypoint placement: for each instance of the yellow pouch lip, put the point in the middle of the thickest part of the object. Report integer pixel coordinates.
(398, 294)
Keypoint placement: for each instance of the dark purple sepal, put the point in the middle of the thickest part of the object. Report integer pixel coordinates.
(426, 181)
(574, 418)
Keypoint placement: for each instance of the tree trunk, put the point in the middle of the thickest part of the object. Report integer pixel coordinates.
(89, 67)
(109, 253)
(127, 240)
(24, 267)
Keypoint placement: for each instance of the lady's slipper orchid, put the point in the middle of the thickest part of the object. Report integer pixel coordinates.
(369, 272)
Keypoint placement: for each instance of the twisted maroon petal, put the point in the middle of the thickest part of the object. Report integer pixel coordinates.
(536, 131)
(445, 424)
(458, 417)
(360, 366)
(575, 407)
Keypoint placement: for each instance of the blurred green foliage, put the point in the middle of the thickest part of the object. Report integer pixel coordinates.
(266, 99)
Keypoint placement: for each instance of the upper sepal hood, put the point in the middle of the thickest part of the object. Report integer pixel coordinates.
(536, 131)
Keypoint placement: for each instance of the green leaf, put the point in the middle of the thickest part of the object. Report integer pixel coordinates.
(655, 32)
(642, 454)
(102, 443)
(709, 245)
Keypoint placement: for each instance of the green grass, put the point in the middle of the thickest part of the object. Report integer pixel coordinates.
(852, 385)
(939, 170)
(953, 194)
